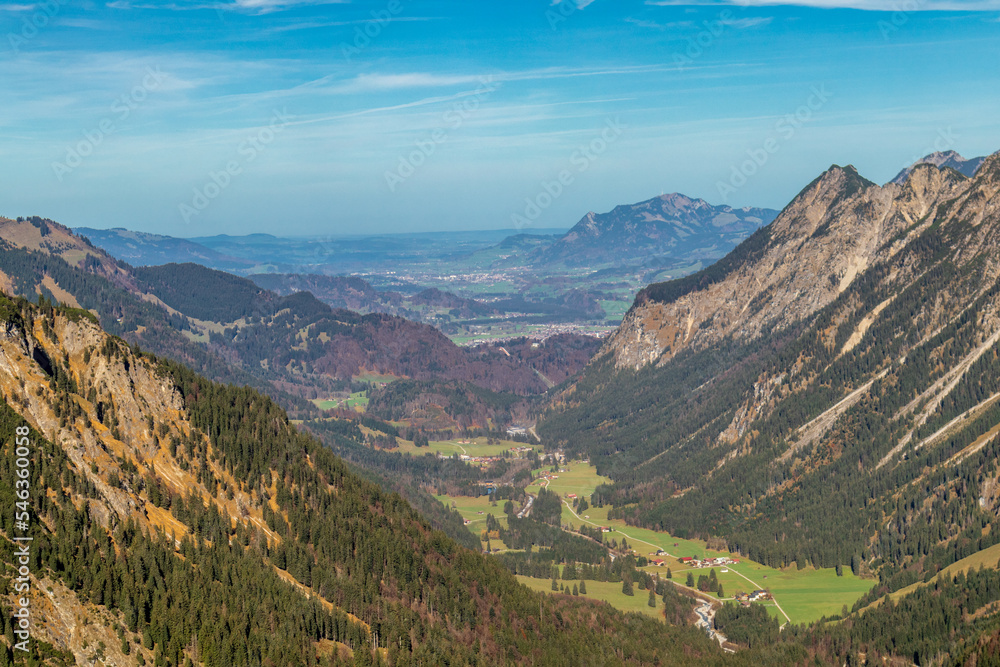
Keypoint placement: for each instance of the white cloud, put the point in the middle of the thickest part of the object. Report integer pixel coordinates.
(743, 24)
(16, 8)
(865, 5)
(249, 6)
(377, 82)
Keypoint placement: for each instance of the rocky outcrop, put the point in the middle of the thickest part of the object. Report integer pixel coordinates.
(835, 229)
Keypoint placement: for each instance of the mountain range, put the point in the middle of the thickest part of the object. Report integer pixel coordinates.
(826, 395)
(671, 229)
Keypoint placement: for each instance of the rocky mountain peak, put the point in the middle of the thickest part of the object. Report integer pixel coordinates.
(672, 225)
(948, 159)
(837, 227)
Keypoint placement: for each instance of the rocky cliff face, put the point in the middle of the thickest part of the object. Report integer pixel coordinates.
(829, 235)
(113, 414)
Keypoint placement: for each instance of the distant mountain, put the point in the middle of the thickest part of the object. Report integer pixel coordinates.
(289, 342)
(142, 249)
(671, 225)
(949, 159)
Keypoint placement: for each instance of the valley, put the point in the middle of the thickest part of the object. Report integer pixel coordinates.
(805, 594)
(370, 333)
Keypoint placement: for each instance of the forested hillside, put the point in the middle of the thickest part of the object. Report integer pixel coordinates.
(293, 348)
(855, 428)
(199, 527)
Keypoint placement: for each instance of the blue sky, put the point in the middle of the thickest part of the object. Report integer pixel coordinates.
(302, 117)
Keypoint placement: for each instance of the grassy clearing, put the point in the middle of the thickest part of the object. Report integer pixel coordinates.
(374, 377)
(473, 447)
(474, 510)
(605, 591)
(356, 401)
(988, 557)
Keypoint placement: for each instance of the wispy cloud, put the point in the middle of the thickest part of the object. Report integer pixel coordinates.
(317, 25)
(744, 24)
(380, 82)
(248, 6)
(865, 5)
(16, 8)
(657, 25)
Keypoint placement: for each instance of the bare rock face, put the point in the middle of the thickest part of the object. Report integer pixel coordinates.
(835, 229)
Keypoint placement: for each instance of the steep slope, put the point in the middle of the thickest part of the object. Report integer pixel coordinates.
(194, 523)
(836, 228)
(672, 225)
(942, 160)
(829, 394)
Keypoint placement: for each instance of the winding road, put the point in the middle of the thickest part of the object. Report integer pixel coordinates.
(731, 569)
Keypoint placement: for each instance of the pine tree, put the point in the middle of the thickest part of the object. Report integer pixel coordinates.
(652, 598)
(583, 587)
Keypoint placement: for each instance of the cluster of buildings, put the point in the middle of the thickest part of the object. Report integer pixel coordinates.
(757, 596)
(719, 561)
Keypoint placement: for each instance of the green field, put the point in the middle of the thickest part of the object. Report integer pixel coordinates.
(470, 509)
(375, 377)
(605, 591)
(353, 402)
(988, 558)
(805, 595)
(471, 447)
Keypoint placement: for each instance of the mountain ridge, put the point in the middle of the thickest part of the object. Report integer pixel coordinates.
(943, 160)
